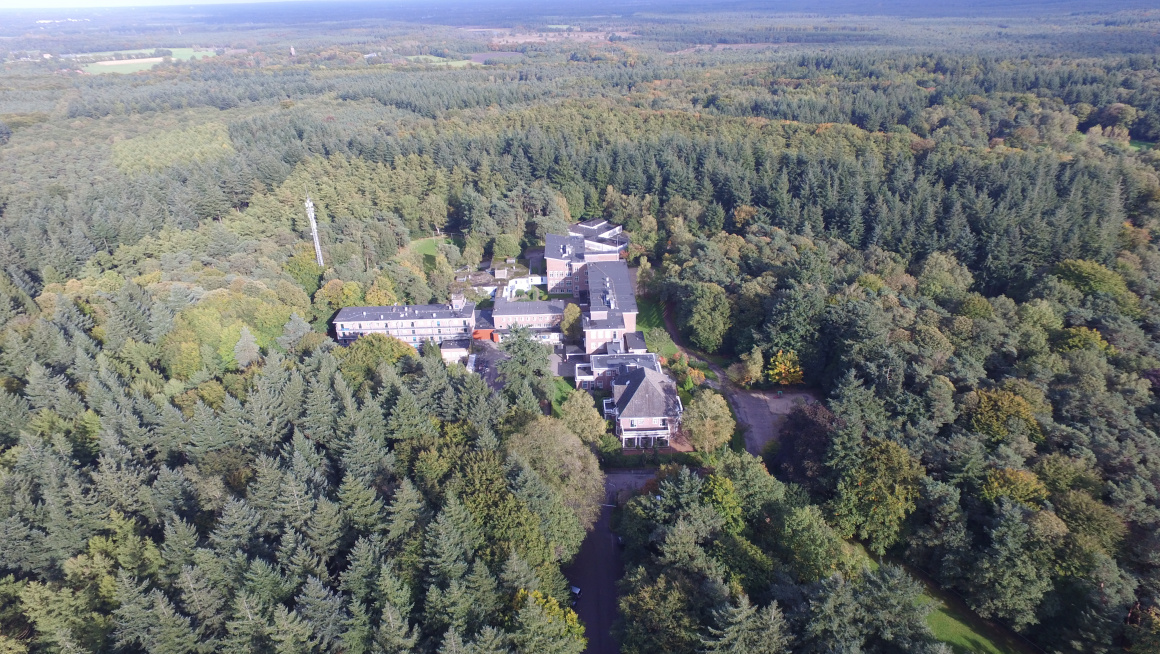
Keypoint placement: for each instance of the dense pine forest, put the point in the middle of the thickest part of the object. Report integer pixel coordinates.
(948, 227)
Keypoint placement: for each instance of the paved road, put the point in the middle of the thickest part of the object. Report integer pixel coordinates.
(599, 566)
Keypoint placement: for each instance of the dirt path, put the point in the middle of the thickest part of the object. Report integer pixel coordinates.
(761, 412)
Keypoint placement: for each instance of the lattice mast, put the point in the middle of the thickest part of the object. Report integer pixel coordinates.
(314, 231)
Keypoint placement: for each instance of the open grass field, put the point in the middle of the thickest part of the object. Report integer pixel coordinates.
(427, 248)
(1141, 145)
(652, 314)
(137, 65)
(440, 61)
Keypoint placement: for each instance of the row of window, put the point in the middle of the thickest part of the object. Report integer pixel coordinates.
(645, 442)
(438, 323)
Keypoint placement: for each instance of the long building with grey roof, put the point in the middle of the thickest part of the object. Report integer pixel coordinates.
(413, 324)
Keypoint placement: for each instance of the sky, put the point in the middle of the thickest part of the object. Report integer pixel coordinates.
(95, 4)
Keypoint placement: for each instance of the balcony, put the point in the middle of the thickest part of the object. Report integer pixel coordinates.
(609, 408)
(654, 432)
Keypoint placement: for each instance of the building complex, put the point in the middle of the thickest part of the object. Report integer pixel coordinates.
(413, 324)
(587, 264)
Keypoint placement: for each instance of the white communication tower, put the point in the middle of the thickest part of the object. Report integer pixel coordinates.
(314, 231)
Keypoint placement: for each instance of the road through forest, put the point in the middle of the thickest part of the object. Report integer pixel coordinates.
(599, 565)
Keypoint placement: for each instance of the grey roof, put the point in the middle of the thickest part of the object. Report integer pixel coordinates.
(564, 247)
(403, 311)
(615, 320)
(648, 394)
(483, 319)
(634, 341)
(610, 287)
(608, 361)
(528, 308)
(594, 228)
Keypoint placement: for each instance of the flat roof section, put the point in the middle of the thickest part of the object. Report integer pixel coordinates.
(527, 308)
(610, 287)
(404, 312)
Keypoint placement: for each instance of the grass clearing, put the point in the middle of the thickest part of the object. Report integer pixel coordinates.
(428, 248)
(439, 61)
(1136, 144)
(952, 630)
(562, 387)
(652, 314)
(966, 633)
(138, 65)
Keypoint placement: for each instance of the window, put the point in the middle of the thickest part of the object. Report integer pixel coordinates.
(632, 423)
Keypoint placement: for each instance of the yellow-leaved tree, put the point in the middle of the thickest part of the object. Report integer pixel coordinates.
(784, 368)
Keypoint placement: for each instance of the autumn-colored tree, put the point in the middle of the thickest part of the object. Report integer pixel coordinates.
(571, 324)
(579, 413)
(875, 495)
(334, 295)
(1082, 338)
(359, 361)
(996, 413)
(1018, 485)
(784, 368)
(1090, 278)
(382, 292)
(707, 421)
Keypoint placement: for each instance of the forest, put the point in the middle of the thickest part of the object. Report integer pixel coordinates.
(946, 227)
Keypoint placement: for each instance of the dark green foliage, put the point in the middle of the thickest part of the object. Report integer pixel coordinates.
(954, 239)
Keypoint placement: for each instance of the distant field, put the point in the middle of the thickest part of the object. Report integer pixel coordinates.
(1141, 145)
(439, 61)
(136, 65)
(483, 57)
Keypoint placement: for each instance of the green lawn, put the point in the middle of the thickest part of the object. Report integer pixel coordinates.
(427, 248)
(1141, 145)
(951, 629)
(652, 314)
(966, 633)
(561, 389)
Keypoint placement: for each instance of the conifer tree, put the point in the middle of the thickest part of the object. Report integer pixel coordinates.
(746, 629)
